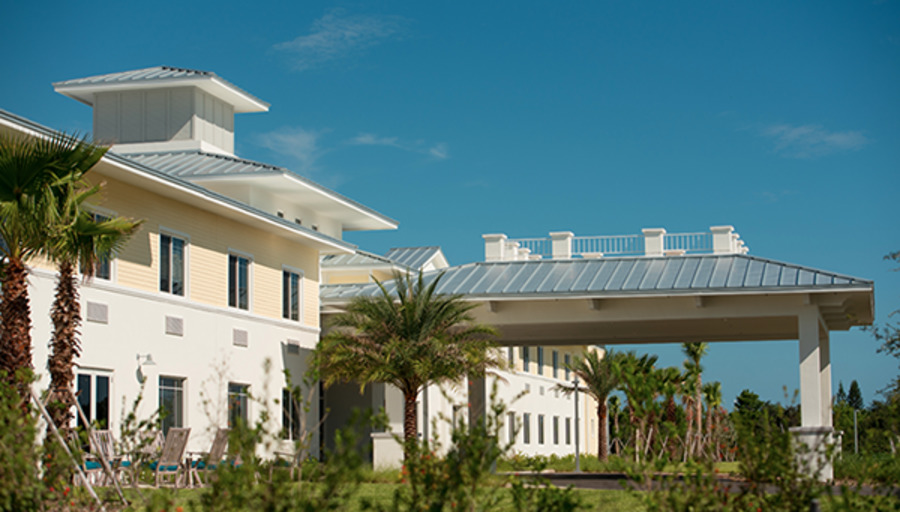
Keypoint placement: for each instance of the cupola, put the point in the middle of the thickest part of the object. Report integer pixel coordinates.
(163, 109)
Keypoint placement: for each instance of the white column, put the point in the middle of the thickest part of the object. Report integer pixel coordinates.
(511, 251)
(812, 405)
(825, 377)
(494, 247)
(562, 244)
(722, 240)
(654, 241)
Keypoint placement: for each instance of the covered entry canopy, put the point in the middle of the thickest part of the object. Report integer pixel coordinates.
(721, 297)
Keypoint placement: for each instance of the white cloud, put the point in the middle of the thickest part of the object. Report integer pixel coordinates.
(338, 35)
(811, 141)
(368, 139)
(299, 144)
(438, 151)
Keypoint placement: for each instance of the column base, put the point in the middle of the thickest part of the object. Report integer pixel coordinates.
(814, 451)
(387, 452)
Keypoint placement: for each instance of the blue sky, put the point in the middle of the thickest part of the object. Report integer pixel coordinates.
(464, 118)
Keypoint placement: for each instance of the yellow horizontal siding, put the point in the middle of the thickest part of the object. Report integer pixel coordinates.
(210, 238)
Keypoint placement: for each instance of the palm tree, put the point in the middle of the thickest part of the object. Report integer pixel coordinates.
(409, 339)
(601, 379)
(712, 393)
(34, 172)
(695, 352)
(635, 375)
(85, 241)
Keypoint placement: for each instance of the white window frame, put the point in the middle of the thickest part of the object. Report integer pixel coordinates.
(93, 373)
(184, 395)
(300, 290)
(104, 212)
(292, 412)
(250, 261)
(171, 233)
(246, 394)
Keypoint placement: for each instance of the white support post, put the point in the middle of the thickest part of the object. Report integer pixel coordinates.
(494, 247)
(825, 377)
(654, 241)
(811, 406)
(813, 438)
(562, 244)
(723, 243)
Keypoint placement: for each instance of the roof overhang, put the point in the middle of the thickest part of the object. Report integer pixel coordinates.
(607, 316)
(213, 85)
(352, 215)
(120, 168)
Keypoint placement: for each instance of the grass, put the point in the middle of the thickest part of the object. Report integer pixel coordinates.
(591, 464)
(383, 493)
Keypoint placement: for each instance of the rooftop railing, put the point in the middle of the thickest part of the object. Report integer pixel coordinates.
(652, 242)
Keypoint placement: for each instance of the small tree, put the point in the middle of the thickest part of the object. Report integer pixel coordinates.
(35, 175)
(854, 397)
(80, 240)
(408, 339)
(695, 352)
(599, 376)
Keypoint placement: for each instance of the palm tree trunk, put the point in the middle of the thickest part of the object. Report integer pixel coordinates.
(699, 413)
(602, 448)
(15, 328)
(65, 347)
(410, 429)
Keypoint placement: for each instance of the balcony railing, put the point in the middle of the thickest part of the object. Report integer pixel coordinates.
(652, 242)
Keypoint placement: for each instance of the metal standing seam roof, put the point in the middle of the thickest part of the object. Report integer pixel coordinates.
(152, 74)
(122, 160)
(412, 257)
(199, 164)
(359, 258)
(639, 275)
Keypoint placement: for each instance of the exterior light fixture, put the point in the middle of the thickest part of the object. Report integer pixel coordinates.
(143, 360)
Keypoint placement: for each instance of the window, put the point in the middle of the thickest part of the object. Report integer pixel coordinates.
(526, 428)
(556, 430)
(103, 266)
(171, 402)
(568, 360)
(511, 356)
(511, 427)
(555, 364)
(93, 397)
(525, 359)
(238, 281)
(540, 360)
(291, 295)
(171, 264)
(568, 430)
(540, 429)
(290, 416)
(238, 403)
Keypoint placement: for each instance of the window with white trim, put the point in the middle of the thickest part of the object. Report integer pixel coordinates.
(238, 404)
(171, 402)
(93, 391)
(238, 281)
(291, 294)
(171, 264)
(103, 265)
(290, 416)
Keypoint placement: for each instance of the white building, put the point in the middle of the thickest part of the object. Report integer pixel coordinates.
(238, 262)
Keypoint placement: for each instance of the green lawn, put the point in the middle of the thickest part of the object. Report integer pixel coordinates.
(382, 493)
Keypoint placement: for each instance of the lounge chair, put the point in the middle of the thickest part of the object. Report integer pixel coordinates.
(103, 447)
(210, 460)
(171, 460)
